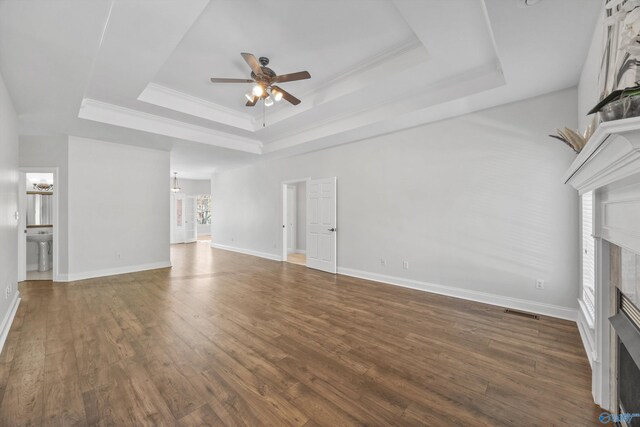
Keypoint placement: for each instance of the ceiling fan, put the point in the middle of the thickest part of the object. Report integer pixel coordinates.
(265, 79)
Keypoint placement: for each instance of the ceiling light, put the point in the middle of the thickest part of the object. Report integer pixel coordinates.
(277, 95)
(268, 101)
(257, 90)
(175, 187)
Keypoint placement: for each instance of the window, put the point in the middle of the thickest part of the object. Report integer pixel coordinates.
(204, 209)
(588, 256)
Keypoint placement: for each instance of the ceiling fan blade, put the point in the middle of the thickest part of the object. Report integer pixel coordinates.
(252, 102)
(253, 63)
(292, 77)
(286, 95)
(220, 80)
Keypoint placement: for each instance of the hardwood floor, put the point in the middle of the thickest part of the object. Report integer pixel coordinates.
(224, 338)
(300, 259)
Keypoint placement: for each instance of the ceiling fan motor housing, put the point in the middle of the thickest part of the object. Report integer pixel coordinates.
(266, 76)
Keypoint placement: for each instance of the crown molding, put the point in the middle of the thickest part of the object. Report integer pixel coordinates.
(376, 119)
(163, 96)
(103, 112)
(369, 72)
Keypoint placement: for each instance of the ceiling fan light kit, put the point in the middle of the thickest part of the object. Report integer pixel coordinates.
(276, 95)
(264, 79)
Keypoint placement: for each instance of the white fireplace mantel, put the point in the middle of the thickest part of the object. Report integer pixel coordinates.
(612, 154)
(609, 165)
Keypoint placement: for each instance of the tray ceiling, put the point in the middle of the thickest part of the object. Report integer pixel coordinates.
(137, 71)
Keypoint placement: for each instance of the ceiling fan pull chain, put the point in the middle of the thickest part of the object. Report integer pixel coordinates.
(264, 115)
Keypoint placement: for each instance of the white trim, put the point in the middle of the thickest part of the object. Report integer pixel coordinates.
(8, 319)
(587, 333)
(483, 297)
(247, 251)
(103, 112)
(408, 54)
(299, 251)
(612, 154)
(72, 277)
(179, 101)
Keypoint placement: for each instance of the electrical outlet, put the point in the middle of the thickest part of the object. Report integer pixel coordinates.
(383, 262)
(539, 284)
(405, 265)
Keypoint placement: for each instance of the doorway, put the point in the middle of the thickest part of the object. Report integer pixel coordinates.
(183, 219)
(38, 253)
(315, 220)
(294, 234)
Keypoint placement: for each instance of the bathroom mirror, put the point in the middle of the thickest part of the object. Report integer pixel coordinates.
(39, 209)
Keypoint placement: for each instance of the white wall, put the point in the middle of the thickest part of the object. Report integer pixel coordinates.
(113, 226)
(8, 207)
(301, 220)
(475, 203)
(588, 95)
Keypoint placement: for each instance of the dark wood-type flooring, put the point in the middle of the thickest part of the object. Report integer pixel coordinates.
(229, 339)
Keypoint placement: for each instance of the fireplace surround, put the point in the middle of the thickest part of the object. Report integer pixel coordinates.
(609, 166)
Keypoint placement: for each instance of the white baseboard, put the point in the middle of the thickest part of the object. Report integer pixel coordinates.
(300, 251)
(8, 319)
(551, 310)
(247, 251)
(72, 277)
(487, 298)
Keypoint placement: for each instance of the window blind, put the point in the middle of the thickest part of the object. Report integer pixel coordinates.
(588, 255)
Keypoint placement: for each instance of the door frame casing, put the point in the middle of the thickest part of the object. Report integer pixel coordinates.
(284, 211)
(292, 233)
(22, 209)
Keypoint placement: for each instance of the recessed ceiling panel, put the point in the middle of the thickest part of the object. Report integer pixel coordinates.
(327, 38)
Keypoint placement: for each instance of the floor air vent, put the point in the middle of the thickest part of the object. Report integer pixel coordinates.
(521, 314)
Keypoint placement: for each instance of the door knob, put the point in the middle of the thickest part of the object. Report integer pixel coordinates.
(332, 229)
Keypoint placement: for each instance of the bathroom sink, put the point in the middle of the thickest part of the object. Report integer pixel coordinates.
(40, 237)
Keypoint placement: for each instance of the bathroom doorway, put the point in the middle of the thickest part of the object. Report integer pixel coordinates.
(38, 224)
(294, 221)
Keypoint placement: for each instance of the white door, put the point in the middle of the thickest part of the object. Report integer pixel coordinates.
(291, 218)
(321, 224)
(190, 220)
